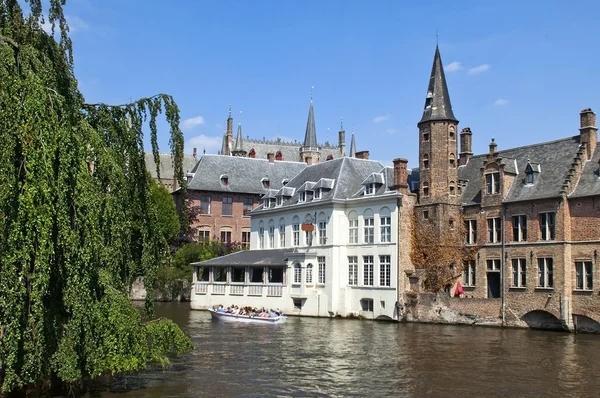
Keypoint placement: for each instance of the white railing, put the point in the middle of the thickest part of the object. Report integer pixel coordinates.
(236, 290)
(201, 288)
(274, 291)
(218, 289)
(254, 290)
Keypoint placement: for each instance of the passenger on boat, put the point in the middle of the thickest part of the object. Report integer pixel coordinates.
(272, 314)
(220, 309)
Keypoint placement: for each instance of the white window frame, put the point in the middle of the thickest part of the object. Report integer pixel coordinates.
(492, 183)
(309, 274)
(205, 202)
(519, 272)
(353, 231)
(317, 193)
(271, 236)
(353, 270)
(385, 229)
(548, 225)
(471, 231)
(545, 272)
(296, 234)
(494, 229)
(322, 232)
(385, 270)
(369, 230)
(584, 275)
(322, 269)
(368, 270)
(297, 274)
(281, 235)
(261, 237)
(370, 188)
(301, 197)
(519, 225)
(470, 273)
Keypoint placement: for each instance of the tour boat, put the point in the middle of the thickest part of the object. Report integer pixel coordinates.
(223, 316)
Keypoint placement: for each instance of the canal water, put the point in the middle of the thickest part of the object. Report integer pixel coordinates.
(313, 357)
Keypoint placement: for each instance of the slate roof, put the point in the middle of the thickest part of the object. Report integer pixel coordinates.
(257, 258)
(589, 183)
(245, 175)
(554, 159)
(166, 164)
(437, 101)
(340, 179)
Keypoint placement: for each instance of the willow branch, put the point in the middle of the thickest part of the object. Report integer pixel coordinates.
(9, 41)
(122, 105)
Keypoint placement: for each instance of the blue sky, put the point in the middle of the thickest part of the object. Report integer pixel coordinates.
(519, 71)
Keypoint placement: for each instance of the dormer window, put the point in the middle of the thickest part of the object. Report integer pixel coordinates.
(492, 181)
(279, 200)
(224, 180)
(530, 171)
(271, 202)
(370, 188)
(301, 197)
(265, 183)
(318, 193)
(529, 177)
(309, 195)
(428, 100)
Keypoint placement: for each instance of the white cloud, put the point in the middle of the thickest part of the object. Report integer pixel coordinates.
(76, 24)
(479, 69)
(453, 66)
(500, 102)
(391, 131)
(382, 118)
(192, 122)
(203, 142)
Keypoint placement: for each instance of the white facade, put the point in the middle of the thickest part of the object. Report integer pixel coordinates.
(348, 269)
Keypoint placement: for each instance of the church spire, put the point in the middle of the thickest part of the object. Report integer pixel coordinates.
(310, 138)
(352, 146)
(238, 149)
(437, 101)
(224, 145)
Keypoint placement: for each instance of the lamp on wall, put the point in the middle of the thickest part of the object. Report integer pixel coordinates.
(595, 255)
(531, 255)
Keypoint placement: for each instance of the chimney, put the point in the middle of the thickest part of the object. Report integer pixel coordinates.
(401, 175)
(362, 155)
(466, 152)
(588, 131)
(342, 142)
(493, 147)
(308, 160)
(194, 153)
(271, 157)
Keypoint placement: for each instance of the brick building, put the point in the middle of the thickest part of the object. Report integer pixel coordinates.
(532, 212)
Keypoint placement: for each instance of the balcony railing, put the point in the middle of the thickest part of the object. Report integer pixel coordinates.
(257, 290)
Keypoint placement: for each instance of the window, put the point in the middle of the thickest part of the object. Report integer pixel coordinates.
(385, 269)
(204, 204)
(426, 214)
(545, 278)
(226, 236)
(248, 202)
(257, 275)
(202, 274)
(369, 229)
(266, 183)
(281, 234)
(246, 239)
(471, 231)
(426, 135)
(321, 261)
(452, 190)
(279, 200)
(352, 270)
(547, 226)
(238, 274)
(370, 188)
(386, 229)
(278, 156)
(469, 273)
(494, 230)
(227, 206)
(296, 234)
(520, 228)
(425, 189)
(352, 228)
(261, 237)
(451, 224)
(271, 236)
(452, 163)
(368, 270)
(366, 305)
(529, 177)
(297, 273)
(426, 161)
(309, 274)
(204, 236)
(519, 272)
(225, 180)
(493, 265)
(318, 193)
(308, 238)
(220, 274)
(584, 280)
(298, 303)
(452, 134)
(276, 274)
(301, 197)
(322, 233)
(492, 181)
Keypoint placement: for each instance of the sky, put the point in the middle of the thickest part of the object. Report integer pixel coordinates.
(518, 71)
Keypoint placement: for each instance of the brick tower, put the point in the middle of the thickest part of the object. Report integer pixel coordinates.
(439, 198)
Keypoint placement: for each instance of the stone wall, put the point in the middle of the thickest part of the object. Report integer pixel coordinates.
(179, 290)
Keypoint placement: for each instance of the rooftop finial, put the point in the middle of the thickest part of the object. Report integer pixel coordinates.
(437, 37)
(229, 110)
(341, 123)
(311, 93)
(240, 121)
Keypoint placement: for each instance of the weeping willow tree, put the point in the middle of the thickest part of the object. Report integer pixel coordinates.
(77, 221)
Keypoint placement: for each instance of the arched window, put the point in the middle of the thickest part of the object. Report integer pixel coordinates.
(261, 235)
(322, 229)
(385, 225)
(452, 189)
(281, 232)
(368, 226)
(309, 274)
(425, 161)
(452, 161)
(271, 234)
(278, 156)
(252, 153)
(296, 231)
(451, 133)
(425, 189)
(297, 273)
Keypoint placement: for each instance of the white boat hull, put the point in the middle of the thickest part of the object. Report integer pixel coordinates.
(222, 316)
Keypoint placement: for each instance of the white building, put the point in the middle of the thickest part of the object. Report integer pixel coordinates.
(346, 266)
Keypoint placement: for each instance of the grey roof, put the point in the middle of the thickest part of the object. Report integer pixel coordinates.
(589, 183)
(286, 191)
(166, 164)
(245, 175)
(239, 141)
(307, 186)
(374, 178)
(326, 183)
(348, 175)
(310, 138)
(437, 102)
(554, 159)
(352, 147)
(253, 258)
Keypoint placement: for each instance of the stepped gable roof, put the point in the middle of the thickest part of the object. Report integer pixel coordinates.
(166, 164)
(257, 258)
(245, 175)
(589, 183)
(554, 158)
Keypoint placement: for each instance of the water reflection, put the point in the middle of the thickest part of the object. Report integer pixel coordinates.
(330, 358)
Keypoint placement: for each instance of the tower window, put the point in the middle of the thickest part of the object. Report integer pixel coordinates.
(452, 134)
(426, 214)
(452, 161)
(425, 189)
(452, 190)
(426, 161)
(425, 136)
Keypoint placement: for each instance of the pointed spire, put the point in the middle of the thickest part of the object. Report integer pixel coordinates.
(239, 143)
(341, 124)
(224, 144)
(437, 101)
(352, 146)
(230, 111)
(310, 138)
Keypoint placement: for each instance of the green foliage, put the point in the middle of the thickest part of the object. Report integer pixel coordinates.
(77, 218)
(168, 218)
(193, 252)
